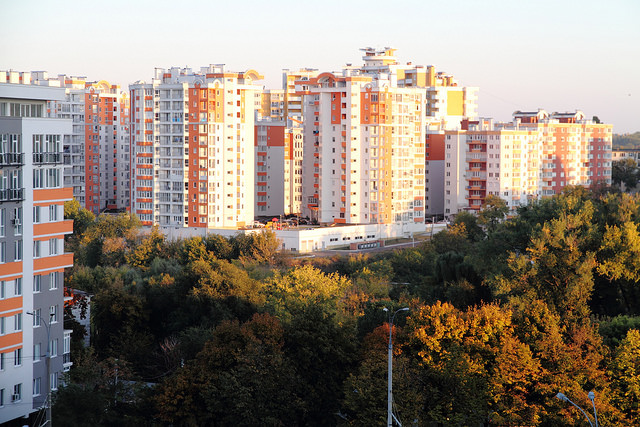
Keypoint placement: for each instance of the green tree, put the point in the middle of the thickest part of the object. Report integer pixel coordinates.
(470, 221)
(152, 246)
(493, 211)
(241, 377)
(625, 171)
(625, 374)
(82, 218)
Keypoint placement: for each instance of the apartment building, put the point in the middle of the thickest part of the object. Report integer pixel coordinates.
(32, 258)
(434, 169)
(365, 136)
(192, 135)
(536, 155)
(96, 154)
(278, 168)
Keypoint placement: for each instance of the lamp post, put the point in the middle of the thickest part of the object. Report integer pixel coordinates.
(591, 397)
(48, 363)
(390, 366)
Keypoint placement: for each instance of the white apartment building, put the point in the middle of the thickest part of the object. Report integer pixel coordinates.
(96, 154)
(365, 127)
(278, 168)
(536, 155)
(192, 135)
(32, 258)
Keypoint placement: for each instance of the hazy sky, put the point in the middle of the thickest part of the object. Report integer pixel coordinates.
(559, 55)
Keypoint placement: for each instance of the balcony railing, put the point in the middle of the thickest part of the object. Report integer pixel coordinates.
(12, 194)
(11, 159)
(40, 158)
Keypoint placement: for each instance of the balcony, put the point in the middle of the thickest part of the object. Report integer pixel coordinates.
(47, 158)
(12, 195)
(11, 159)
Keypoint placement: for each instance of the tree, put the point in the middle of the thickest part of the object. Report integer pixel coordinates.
(260, 246)
(558, 266)
(470, 221)
(241, 377)
(152, 246)
(625, 374)
(493, 211)
(82, 218)
(625, 171)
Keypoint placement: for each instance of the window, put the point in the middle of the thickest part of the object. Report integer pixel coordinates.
(53, 212)
(36, 386)
(3, 252)
(17, 393)
(1, 397)
(37, 279)
(54, 381)
(37, 352)
(3, 217)
(53, 280)
(17, 222)
(3, 289)
(36, 214)
(53, 313)
(36, 317)
(2, 325)
(17, 357)
(17, 287)
(2, 359)
(53, 348)
(53, 246)
(17, 322)
(36, 249)
(17, 250)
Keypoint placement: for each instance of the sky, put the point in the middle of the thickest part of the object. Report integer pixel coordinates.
(559, 55)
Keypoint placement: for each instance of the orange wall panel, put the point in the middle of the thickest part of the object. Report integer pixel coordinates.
(60, 227)
(50, 262)
(53, 194)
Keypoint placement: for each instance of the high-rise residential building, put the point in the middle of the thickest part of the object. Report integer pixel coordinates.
(96, 154)
(365, 137)
(271, 104)
(434, 170)
(278, 168)
(536, 155)
(293, 101)
(192, 135)
(32, 258)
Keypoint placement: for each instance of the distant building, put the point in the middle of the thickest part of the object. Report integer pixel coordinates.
(192, 135)
(628, 153)
(32, 257)
(536, 155)
(364, 138)
(96, 153)
(278, 168)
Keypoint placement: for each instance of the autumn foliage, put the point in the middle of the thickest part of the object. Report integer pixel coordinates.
(504, 314)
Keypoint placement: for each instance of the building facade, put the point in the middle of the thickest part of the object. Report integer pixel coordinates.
(96, 153)
(193, 139)
(536, 155)
(278, 168)
(365, 136)
(32, 258)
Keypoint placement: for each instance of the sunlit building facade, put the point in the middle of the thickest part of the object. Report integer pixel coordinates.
(32, 257)
(536, 155)
(192, 135)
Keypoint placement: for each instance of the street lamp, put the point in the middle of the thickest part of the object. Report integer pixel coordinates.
(591, 397)
(48, 362)
(390, 415)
